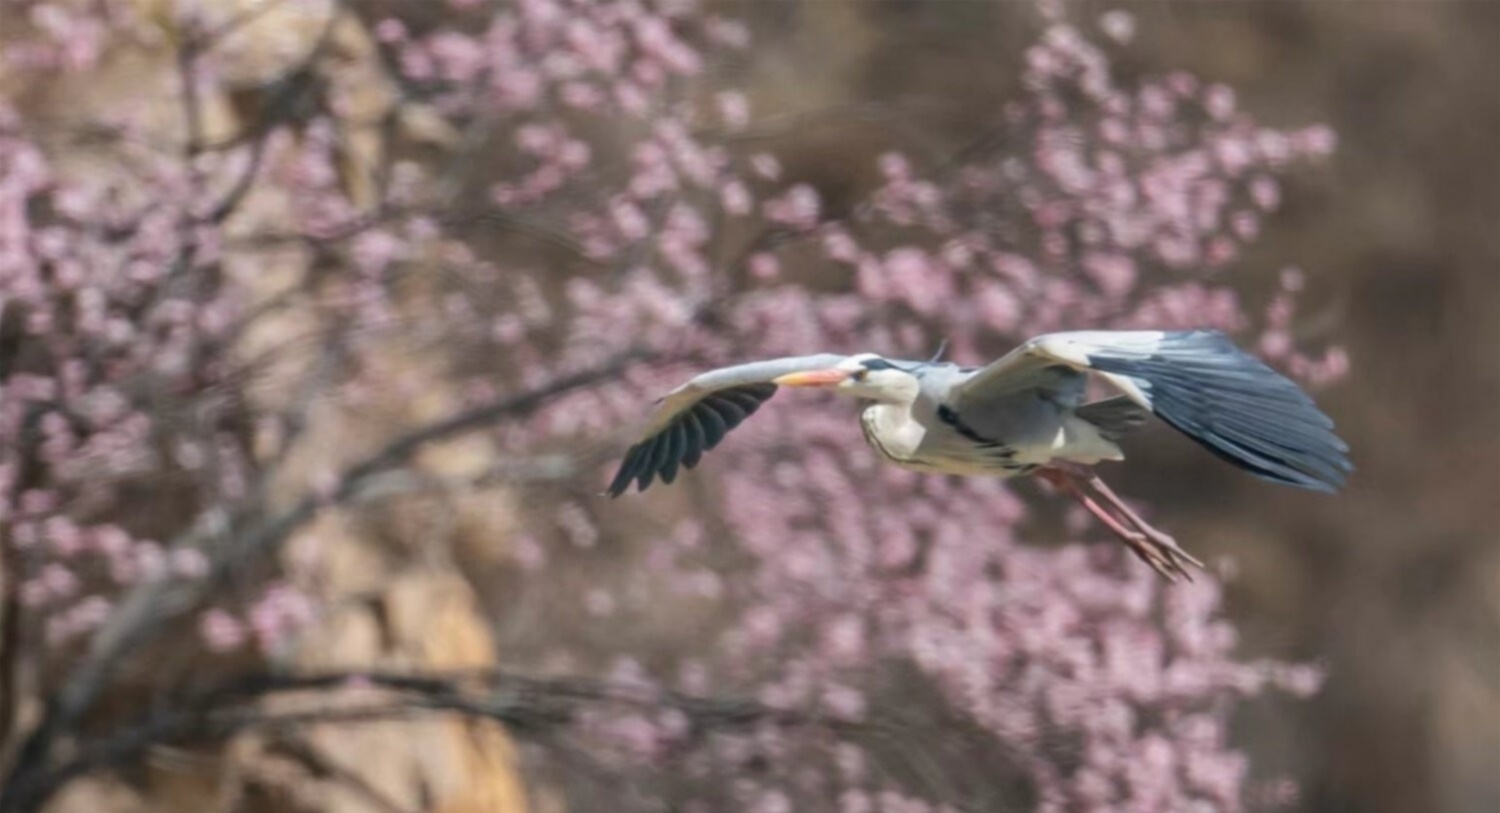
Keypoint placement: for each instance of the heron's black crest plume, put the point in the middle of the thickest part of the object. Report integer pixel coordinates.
(885, 364)
(938, 356)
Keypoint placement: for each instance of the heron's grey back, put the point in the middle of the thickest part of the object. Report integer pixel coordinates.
(1025, 414)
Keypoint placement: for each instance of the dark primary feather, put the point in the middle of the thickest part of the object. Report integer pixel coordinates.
(691, 433)
(1114, 417)
(1236, 407)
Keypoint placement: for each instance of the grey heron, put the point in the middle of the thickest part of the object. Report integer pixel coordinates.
(1027, 414)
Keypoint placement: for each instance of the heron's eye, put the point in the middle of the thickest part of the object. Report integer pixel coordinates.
(861, 375)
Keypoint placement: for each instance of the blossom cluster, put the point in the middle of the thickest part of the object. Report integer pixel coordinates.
(1123, 207)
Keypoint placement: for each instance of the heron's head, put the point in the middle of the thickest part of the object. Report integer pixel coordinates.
(866, 375)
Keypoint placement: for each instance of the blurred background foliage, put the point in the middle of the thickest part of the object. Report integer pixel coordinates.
(1393, 587)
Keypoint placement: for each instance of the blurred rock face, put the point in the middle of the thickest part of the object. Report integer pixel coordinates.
(390, 608)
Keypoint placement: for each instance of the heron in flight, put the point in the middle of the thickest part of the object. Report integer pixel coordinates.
(1026, 414)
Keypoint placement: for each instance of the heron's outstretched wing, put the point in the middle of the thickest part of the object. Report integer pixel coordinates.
(693, 418)
(1197, 381)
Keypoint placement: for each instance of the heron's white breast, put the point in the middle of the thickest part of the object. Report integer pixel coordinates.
(898, 436)
(893, 431)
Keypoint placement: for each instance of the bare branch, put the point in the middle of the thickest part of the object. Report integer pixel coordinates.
(279, 108)
(528, 706)
(232, 542)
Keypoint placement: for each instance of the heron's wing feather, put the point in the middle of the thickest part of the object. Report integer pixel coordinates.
(696, 416)
(1046, 359)
(1114, 417)
(1197, 381)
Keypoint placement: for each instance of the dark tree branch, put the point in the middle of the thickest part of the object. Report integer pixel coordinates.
(232, 543)
(10, 646)
(281, 107)
(530, 707)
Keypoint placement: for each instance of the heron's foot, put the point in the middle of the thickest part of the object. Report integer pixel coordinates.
(1163, 546)
(1161, 552)
(1155, 548)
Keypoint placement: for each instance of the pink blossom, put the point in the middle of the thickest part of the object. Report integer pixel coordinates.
(1114, 274)
(1118, 25)
(528, 552)
(277, 616)
(766, 166)
(798, 207)
(764, 266)
(221, 631)
(724, 31)
(895, 167)
(390, 30)
(1218, 100)
(840, 246)
(919, 279)
(734, 109)
(58, 581)
(629, 219)
(1317, 140)
(736, 198)
(1266, 192)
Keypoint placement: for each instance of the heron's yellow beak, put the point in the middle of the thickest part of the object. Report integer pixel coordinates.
(812, 378)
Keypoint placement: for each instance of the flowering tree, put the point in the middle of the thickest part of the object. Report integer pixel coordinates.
(554, 211)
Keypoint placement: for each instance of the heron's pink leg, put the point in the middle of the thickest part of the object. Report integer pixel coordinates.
(1136, 521)
(1153, 547)
(1071, 487)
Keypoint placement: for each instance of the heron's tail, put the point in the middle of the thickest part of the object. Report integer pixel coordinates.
(1235, 406)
